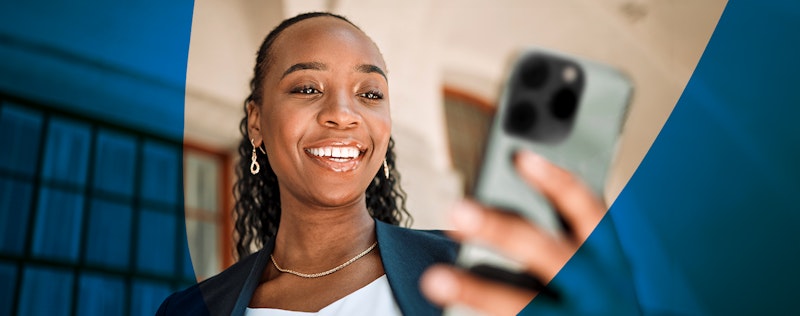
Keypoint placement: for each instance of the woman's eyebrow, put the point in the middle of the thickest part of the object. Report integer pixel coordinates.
(304, 66)
(367, 68)
(363, 68)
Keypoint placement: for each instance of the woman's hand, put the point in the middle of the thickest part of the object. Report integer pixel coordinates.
(542, 254)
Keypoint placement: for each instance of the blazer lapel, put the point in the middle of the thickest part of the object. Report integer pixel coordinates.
(252, 280)
(406, 254)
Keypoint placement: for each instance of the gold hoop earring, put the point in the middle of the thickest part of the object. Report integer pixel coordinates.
(254, 166)
(385, 169)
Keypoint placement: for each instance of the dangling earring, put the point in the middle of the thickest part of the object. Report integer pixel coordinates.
(385, 169)
(254, 166)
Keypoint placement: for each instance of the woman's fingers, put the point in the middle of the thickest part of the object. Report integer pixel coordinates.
(447, 286)
(577, 204)
(541, 253)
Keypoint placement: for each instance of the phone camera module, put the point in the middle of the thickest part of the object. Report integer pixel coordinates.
(543, 98)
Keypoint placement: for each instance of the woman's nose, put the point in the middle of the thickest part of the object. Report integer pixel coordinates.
(339, 111)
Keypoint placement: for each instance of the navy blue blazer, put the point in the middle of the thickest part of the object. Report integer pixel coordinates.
(405, 253)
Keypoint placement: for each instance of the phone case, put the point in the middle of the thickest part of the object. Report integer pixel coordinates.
(581, 138)
(586, 150)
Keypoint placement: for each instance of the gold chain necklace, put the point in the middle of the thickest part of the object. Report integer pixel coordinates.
(321, 274)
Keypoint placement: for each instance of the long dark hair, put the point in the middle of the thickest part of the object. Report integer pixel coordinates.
(258, 204)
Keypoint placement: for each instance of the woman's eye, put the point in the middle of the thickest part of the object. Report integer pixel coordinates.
(372, 95)
(305, 90)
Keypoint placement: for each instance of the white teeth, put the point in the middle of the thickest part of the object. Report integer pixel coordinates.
(335, 152)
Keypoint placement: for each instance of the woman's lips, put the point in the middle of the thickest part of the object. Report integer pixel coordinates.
(336, 158)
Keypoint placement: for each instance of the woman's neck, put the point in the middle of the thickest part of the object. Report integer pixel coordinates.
(312, 238)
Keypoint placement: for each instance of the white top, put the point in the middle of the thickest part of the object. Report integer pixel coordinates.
(373, 299)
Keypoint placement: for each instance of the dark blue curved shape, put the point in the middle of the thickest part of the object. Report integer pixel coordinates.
(709, 221)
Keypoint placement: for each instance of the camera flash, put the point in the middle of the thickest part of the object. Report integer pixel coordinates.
(568, 74)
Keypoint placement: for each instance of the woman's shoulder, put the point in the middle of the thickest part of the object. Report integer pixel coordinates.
(216, 295)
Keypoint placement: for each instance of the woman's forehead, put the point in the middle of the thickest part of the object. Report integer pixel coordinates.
(326, 40)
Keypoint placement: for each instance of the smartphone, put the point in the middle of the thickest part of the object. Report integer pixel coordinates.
(565, 108)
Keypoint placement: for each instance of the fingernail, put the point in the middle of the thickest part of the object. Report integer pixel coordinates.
(441, 284)
(467, 217)
(532, 163)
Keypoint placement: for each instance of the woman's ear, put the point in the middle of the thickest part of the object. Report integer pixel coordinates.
(254, 123)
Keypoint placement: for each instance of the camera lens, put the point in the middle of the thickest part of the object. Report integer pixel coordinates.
(534, 73)
(563, 104)
(520, 118)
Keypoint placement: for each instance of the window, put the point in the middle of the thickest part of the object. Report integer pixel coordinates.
(468, 121)
(91, 213)
(208, 192)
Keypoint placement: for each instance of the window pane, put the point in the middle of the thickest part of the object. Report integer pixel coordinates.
(202, 181)
(156, 247)
(203, 242)
(67, 151)
(58, 224)
(467, 126)
(147, 296)
(15, 202)
(46, 291)
(101, 295)
(115, 157)
(109, 236)
(160, 172)
(8, 279)
(20, 132)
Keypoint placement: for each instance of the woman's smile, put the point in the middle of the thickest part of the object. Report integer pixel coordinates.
(336, 155)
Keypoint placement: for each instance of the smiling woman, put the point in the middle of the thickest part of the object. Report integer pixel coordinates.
(325, 135)
(304, 92)
(318, 194)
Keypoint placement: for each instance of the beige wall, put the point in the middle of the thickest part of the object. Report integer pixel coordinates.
(464, 44)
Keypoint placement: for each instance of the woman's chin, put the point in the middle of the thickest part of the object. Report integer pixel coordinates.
(337, 199)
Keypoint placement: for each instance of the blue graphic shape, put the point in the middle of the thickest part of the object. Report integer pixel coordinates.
(709, 220)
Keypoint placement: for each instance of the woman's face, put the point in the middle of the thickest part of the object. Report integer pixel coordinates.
(324, 119)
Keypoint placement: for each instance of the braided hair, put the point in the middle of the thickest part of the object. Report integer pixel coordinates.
(258, 206)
